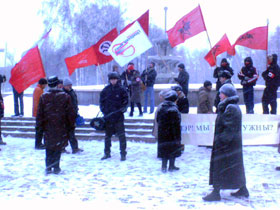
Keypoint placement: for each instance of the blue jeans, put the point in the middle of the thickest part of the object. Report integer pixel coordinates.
(149, 92)
(18, 97)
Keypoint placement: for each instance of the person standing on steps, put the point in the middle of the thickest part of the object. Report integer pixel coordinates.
(113, 103)
(226, 165)
(18, 97)
(135, 93)
(67, 88)
(149, 78)
(2, 79)
(38, 91)
(183, 79)
(55, 116)
(169, 131)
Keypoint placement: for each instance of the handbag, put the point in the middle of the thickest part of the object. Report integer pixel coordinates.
(143, 86)
(80, 121)
(98, 123)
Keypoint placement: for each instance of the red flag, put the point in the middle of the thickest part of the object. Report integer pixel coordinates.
(143, 21)
(102, 46)
(82, 59)
(254, 39)
(222, 46)
(28, 70)
(187, 27)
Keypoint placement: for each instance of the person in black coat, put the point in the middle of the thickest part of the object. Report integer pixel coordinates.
(148, 77)
(183, 79)
(169, 131)
(248, 76)
(272, 81)
(182, 101)
(219, 70)
(113, 103)
(2, 79)
(67, 88)
(127, 76)
(226, 165)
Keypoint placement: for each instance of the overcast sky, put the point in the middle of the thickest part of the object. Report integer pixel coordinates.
(21, 27)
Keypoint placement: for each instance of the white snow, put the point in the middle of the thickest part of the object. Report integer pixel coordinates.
(86, 182)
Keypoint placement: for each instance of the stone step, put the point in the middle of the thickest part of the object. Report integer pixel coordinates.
(91, 136)
(77, 130)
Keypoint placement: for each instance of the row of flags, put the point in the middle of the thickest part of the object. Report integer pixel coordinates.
(131, 42)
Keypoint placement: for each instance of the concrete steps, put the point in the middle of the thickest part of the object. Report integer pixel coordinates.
(24, 127)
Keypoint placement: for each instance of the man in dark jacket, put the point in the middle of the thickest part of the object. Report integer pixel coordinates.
(183, 79)
(224, 78)
(56, 117)
(248, 76)
(226, 166)
(67, 88)
(169, 131)
(182, 101)
(205, 101)
(272, 80)
(113, 103)
(2, 79)
(148, 77)
(219, 70)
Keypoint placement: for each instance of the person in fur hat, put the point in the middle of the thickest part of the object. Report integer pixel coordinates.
(226, 165)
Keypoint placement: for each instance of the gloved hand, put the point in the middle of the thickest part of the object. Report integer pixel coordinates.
(243, 82)
(246, 78)
(128, 82)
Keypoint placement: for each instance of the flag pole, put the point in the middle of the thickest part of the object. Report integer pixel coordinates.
(102, 75)
(267, 43)
(208, 36)
(164, 63)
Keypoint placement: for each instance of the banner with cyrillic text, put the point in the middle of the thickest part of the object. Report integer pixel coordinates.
(198, 129)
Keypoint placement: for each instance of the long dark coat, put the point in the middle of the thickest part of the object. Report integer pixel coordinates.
(136, 87)
(169, 130)
(56, 117)
(226, 166)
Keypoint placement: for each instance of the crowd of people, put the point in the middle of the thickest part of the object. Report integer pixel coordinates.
(56, 112)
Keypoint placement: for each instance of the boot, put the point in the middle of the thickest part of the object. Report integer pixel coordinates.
(172, 166)
(1, 141)
(242, 192)
(106, 156)
(164, 165)
(56, 170)
(140, 109)
(277, 168)
(48, 171)
(40, 147)
(123, 157)
(131, 109)
(78, 150)
(213, 196)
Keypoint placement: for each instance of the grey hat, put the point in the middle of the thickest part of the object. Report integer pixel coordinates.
(171, 95)
(177, 88)
(67, 81)
(228, 89)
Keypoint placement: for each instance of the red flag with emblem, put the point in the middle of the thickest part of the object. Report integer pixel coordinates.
(222, 46)
(82, 59)
(143, 21)
(102, 46)
(187, 27)
(254, 39)
(27, 71)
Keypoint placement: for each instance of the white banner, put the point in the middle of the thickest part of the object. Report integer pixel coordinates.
(130, 44)
(198, 129)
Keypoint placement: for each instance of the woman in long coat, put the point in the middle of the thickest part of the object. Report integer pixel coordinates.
(169, 131)
(226, 166)
(135, 93)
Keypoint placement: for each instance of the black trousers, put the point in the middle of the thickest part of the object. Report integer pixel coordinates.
(116, 128)
(38, 137)
(52, 158)
(269, 98)
(73, 141)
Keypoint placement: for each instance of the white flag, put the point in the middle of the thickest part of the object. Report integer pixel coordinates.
(130, 44)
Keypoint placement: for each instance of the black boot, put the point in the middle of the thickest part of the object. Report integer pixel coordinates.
(242, 192)
(172, 166)
(213, 196)
(164, 165)
(277, 168)
(106, 156)
(131, 109)
(140, 109)
(123, 157)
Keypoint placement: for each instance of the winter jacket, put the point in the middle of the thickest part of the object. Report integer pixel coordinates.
(149, 77)
(272, 74)
(136, 87)
(205, 101)
(74, 99)
(226, 166)
(55, 117)
(38, 91)
(113, 102)
(169, 130)
(126, 77)
(183, 79)
(217, 99)
(248, 74)
(1, 98)
(182, 103)
(219, 70)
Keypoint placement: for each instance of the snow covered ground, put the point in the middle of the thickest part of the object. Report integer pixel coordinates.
(86, 182)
